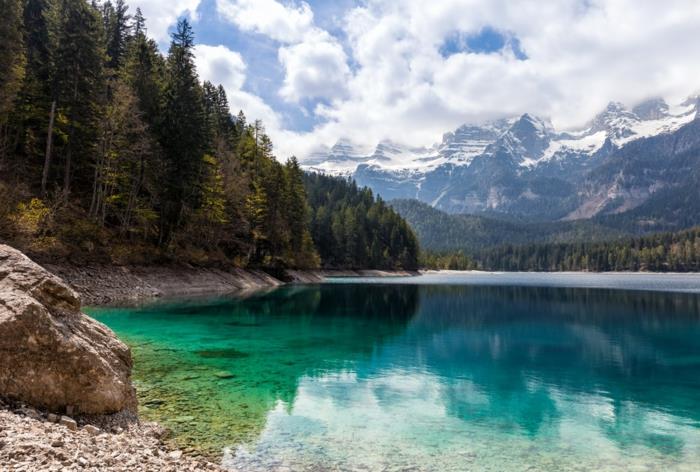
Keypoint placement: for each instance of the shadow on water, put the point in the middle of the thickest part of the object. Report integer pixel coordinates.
(514, 359)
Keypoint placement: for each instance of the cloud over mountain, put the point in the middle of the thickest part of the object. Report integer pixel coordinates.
(409, 69)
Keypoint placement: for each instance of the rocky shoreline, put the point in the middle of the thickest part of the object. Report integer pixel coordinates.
(110, 284)
(32, 440)
(66, 397)
(85, 370)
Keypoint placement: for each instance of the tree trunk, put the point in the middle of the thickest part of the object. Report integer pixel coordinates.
(71, 133)
(66, 175)
(49, 142)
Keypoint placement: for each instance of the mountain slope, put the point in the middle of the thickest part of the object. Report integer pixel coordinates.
(523, 167)
(440, 231)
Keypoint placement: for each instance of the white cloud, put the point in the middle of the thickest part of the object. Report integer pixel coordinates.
(315, 63)
(220, 65)
(160, 15)
(581, 54)
(283, 23)
(314, 69)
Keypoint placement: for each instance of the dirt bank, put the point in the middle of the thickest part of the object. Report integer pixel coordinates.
(109, 284)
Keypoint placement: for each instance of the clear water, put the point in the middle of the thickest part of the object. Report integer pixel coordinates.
(434, 373)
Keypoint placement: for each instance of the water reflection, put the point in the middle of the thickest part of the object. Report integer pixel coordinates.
(434, 377)
(211, 370)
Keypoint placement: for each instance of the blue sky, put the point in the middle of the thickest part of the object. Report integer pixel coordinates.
(410, 70)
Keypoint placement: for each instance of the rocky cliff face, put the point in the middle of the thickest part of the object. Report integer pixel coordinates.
(621, 160)
(52, 355)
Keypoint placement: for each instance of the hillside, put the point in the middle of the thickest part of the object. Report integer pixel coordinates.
(661, 252)
(114, 153)
(440, 231)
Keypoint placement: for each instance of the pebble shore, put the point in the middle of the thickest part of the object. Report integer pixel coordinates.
(34, 441)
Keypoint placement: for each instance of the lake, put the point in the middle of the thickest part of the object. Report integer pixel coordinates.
(443, 372)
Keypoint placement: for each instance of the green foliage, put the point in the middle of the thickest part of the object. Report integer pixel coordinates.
(122, 154)
(31, 217)
(353, 229)
(677, 252)
(439, 231)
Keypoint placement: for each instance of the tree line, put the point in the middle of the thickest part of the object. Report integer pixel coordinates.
(676, 252)
(662, 252)
(354, 229)
(449, 233)
(110, 150)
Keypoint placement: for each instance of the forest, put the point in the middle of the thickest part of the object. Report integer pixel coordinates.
(353, 229)
(675, 252)
(113, 152)
(662, 252)
(451, 233)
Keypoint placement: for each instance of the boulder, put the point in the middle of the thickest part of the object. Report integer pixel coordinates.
(51, 355)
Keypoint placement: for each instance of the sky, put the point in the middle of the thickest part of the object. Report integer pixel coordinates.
(410, 70)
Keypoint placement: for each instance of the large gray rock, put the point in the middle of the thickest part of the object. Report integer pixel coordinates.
(52, 355)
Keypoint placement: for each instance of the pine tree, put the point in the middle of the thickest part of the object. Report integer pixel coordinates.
(12, 65)
(33, 110)
(182, 131)
(77, 59)
(301, 250)
(144, 70)
(117, 32)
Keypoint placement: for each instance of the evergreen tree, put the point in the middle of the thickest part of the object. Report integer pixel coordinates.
(12, 56)
(77, 60)
(144, 70)
(12, 62)
(117, 32)
(182, 132)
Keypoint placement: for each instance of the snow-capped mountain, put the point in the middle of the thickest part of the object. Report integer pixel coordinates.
(515, 166)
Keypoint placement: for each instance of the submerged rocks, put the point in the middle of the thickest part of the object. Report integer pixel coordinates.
(51, 355)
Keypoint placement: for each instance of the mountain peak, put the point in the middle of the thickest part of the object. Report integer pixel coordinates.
(536, 123)
(652, 109)
(615, 120)
(615, 107)
(527, 138)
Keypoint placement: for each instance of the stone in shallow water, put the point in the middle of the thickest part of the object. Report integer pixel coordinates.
(224, 375)
(183, 419)
(227, 353)
(155, 402)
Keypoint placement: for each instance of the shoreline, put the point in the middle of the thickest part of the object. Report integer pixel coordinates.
(103, 285)
(110, 285)
(32, 438)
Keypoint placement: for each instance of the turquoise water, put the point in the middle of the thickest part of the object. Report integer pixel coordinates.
(435, 374)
